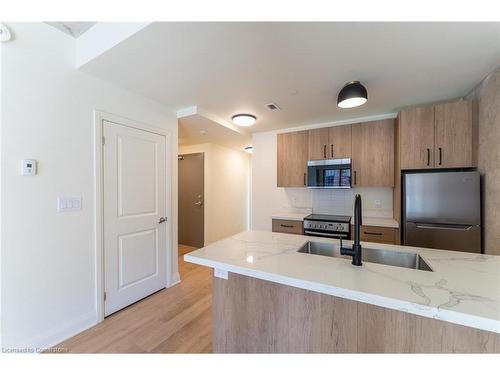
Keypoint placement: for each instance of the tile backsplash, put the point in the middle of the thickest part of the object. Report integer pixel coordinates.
(377, 202)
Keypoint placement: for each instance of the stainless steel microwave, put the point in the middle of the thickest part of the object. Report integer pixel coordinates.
(329, 174)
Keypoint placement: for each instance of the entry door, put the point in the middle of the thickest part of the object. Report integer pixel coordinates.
(191, 211)
(135, 233)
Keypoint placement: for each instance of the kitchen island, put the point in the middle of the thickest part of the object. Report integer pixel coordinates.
(268, 297)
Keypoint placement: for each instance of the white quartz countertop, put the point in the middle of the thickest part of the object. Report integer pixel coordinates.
(379, 222)
(373, 221)
(463, 289)
(290, 216)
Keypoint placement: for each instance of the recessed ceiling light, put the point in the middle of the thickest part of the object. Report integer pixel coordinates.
(244, 119)
(249, 149)
(353, 94)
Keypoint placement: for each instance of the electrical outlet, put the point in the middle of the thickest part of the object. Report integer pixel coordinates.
(377, 203)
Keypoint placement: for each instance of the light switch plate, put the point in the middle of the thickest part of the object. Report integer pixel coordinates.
(221, 274)
(68, 204)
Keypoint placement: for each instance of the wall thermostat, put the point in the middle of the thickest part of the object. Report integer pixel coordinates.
(28, 167)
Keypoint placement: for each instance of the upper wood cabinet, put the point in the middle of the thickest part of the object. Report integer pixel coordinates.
(439, 136)
(292, 155)
(373, 153)
(340, 138)
(318, 144)
(330, 143)
(416, 128)
(453, 135)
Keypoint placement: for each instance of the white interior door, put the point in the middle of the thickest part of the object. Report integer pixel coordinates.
(135, 235)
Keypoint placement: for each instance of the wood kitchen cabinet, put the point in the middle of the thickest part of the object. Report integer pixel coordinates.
(318, 144)
(330, 143)
(416, 128)
(292, 155)
(288, 226)
(453, 135)
(440, 136)
(373, 153)
(379, 234)
(340, 139)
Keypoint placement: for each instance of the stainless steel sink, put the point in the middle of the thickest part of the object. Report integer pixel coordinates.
(387, 257)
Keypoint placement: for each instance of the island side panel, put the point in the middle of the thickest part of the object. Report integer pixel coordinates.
(257, 316)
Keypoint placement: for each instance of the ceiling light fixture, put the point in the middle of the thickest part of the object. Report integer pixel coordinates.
(249, 149)
(244, 119)
(353, 94)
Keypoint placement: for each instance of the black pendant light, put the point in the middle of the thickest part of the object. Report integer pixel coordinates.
(353, 94)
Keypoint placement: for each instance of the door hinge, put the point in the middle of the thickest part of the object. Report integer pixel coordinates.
(105, 296)
(103, 140)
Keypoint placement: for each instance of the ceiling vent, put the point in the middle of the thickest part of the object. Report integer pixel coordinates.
(272, 107)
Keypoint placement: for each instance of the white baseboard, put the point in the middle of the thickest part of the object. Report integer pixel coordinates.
(56, 335)
(176, 279)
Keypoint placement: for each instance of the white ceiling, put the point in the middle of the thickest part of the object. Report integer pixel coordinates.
(75, 29)
(228, 68)
(198, 126)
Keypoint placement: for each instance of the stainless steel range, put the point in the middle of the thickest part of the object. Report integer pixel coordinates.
(333, 226)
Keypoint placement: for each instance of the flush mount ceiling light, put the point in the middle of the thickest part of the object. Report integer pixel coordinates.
(249, 149)
(244, 119)
(353, 94)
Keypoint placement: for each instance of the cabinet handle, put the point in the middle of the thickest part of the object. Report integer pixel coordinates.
(324, 151)
(428, 156)
(286, 226)
(331, 150)
(355, 179)
(440, 156)
(305, 180)
(373, 233)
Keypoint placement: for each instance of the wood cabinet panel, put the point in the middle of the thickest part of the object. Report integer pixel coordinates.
(257, 316)
(339, 143)
(318, 144)
(292, 153)
(288, 226)
(373, 153)
(416, 132)
(453, 135)
(378, 234)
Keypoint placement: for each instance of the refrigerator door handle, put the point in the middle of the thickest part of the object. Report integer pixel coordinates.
(444, 226)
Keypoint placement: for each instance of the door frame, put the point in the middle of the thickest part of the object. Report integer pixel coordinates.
(205, 176)
(99, 118)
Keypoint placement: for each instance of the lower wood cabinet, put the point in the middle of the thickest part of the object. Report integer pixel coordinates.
(288, 226)
(379, 234)
(371, 233)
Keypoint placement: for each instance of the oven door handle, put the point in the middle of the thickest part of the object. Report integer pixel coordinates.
(332, 235)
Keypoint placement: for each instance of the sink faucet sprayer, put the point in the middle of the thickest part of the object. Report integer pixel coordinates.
(355, 252)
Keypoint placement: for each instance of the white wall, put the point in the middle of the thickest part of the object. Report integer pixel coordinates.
(48, 270)
(268, 199)
(226, 199)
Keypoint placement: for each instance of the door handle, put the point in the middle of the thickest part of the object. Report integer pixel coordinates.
(428, 156)
(440, 156)
(162, 220)
(324, 151)
(199, 203)
(355, 179)
(305, 180)
(331, 150)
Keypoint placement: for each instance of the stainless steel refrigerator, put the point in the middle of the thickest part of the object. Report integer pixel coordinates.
(442, 210)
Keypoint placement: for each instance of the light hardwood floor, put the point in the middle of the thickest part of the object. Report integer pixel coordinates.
(174, 320)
